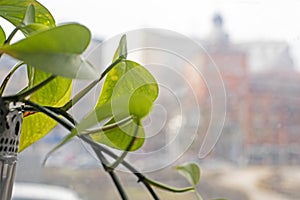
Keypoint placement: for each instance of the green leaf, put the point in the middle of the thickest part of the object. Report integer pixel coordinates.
(33, 28)
(14, 11)
(29, 17)
(138, 84)
(122, 49)
(56, 51)
(120, 137)
(2, 36)
(99, 114)
(34, 127)
(190, 171)
(130, 88)
(56, 94)
(114, 74)
(125, 78)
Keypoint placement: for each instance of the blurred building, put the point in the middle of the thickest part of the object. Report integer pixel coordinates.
(263, 104)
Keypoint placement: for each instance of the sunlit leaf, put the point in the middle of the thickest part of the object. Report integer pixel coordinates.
(2, 36)
(129, 90)
(118, 137)
(34, 128)
(33, 28)
(136, 82)
(115, 73)
(14, 11)
(134, 76)
(122, 49)
(140, 104)
(56, 51)
(121, 137)
(29, 17)
(56, 93)
(190, 171)
(138, 89)
(99, 114)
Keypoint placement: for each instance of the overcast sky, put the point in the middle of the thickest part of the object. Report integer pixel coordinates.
(244, 19)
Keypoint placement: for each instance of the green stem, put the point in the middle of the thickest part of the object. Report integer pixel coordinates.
(109, 126)
(198, 196)
(7, 78)
(84, 91)
(70, 127)
(62, 113)
(141, 178)
(98, 150)
(49, 113)
(112, 174)
(118, 185)
(168, 188)
(96, 147)
(11, 35)
(23, 95)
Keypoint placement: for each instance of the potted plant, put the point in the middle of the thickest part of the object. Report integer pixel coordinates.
(53, 59)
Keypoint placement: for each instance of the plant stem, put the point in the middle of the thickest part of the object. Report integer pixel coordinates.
(5, 81)
(101, 158)
(118, 185)
(141, 178)
(70, 127)
(62, 113)
(96, 147)
(109, 126)
(49, 113)
(168, 188)
(11, 35)
(23, 95)
(111, 172)
(84, 91)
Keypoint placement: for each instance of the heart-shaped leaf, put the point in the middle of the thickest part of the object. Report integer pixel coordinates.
(133, 77)
(129, 91)
(56, 51)
(132, 94)
(137, 88)
(14, 11)
(190, 171)
(56, 93)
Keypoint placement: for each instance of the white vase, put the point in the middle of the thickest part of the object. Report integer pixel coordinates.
(10, 126)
